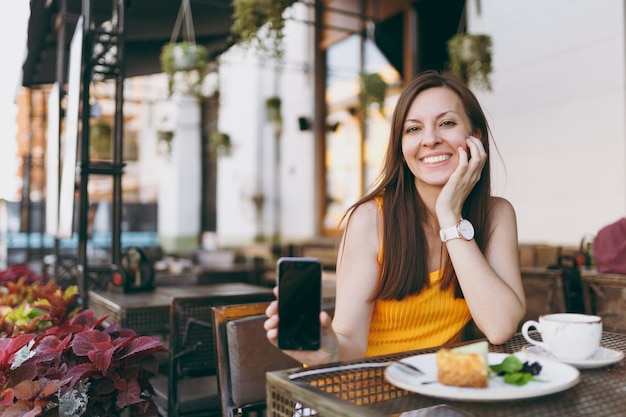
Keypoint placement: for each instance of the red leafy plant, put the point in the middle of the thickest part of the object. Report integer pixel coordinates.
(30, 302)
(68, 363)
(77, 369)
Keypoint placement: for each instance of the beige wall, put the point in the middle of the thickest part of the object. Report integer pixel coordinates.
(557, 112)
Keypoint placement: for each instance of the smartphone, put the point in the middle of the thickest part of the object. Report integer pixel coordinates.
(299, 283)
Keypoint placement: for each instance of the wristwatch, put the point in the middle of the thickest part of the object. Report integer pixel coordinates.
(463, 230)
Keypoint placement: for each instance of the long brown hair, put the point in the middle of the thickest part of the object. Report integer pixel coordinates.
(403, 271)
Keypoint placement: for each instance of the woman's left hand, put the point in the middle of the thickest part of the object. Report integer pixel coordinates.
(461, 182)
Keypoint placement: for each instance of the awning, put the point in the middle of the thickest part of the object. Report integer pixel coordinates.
(148, 26)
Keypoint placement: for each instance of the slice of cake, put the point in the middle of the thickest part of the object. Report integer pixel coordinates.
(464, 366)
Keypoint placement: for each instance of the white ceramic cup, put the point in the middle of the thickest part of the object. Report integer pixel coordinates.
(566, 335)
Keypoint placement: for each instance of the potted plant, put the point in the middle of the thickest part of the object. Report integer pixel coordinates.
(373, 90)
(185, 64)
(274, 115)
(58, 360)
(165, 138)
(100, 139)
(220, 144)
(252, 16)
(470, 59)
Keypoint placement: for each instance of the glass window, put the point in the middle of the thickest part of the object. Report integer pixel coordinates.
(356, 137)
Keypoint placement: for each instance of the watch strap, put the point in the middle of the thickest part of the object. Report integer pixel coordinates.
(450, 233)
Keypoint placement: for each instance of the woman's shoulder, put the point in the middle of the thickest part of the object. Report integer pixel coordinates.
(366, 212)
(501, 210)
(499, 204)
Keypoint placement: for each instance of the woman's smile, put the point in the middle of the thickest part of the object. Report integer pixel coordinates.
(435, 159)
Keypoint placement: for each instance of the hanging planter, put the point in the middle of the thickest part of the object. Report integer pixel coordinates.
(184, 62)
(273, 114)
(272, 110)
(259, 24)
(165, 138)
(470, 59)
(373, 90)
(220, 144)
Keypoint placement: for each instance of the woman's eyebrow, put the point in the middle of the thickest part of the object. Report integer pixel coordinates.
(443, 113)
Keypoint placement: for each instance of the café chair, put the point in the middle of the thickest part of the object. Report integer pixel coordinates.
(244, 355)
(604, 294)
(544, 290)
(190, 387)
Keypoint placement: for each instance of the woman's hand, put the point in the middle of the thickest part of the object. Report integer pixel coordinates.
(461, 182)
(329, 350)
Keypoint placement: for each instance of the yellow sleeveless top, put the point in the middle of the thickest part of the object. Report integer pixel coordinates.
(431, 318)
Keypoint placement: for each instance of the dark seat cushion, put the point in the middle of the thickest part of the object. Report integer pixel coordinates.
(251, 355)
(196, 394)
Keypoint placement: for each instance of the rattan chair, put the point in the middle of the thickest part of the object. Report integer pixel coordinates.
(605, 295)
(544, 292)
(190, 388)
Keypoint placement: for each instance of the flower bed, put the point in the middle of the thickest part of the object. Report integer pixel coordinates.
(57, 359)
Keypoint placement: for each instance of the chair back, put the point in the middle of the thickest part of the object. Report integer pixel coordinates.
(544, 292)
(191, 339)
(244, 355)
(605, 295)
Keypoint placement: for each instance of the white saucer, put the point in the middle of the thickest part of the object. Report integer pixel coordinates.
(602, 357)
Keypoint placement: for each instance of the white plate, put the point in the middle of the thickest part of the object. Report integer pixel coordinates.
(556, 377)
(602, 357)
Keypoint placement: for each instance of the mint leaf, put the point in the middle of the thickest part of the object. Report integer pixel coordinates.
(510, 364)
(515, 372)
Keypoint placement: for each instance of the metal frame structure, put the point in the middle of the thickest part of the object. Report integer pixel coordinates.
(102, 59)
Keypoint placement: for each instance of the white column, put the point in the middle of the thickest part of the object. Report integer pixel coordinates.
(180, 188)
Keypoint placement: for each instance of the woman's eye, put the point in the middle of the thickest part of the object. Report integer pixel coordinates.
(448, 123)
(411, 129)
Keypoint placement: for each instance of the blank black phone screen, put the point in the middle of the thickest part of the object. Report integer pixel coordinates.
(299, 303)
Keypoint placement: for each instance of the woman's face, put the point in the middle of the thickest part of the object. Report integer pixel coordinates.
(435, 127)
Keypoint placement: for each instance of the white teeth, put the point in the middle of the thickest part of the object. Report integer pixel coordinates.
(436, 159)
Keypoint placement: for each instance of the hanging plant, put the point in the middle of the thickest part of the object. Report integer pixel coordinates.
(470, 59)
(165, 137)
(373, 90)
(273, 114)
(272, 109)
(185, 64)
(259, 24)
(220, 144)
(100, 140)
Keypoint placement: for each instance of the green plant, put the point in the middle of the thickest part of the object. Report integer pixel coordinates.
(59, 360)
(470, 59)
(166, 137)
(252, 16)
(219, 144)
(185, 64)
(272, 109)
(373, 90)
(100, 139)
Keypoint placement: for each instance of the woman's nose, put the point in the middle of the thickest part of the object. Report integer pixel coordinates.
(430, 138)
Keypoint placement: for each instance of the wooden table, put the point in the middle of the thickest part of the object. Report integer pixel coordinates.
(148, 312)
(364, 392)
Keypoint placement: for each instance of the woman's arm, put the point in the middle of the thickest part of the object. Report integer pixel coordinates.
(357, 274)
(492, 283)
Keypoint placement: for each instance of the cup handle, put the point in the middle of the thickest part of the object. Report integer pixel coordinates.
(526, 326)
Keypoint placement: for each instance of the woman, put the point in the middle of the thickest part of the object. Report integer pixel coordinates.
(410, 272)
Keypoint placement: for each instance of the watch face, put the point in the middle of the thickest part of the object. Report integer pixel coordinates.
(466, 229)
